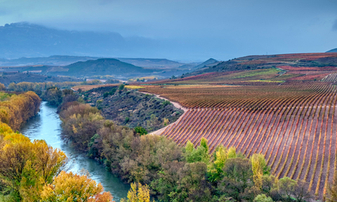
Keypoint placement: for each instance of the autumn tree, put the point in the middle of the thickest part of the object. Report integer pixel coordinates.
(138, 193)
(2, 86)
(27, 166)
(259, 166)
(74, 187)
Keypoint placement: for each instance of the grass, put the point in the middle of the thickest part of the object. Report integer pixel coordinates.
(89, 87)
(253, 73)
(266, 81)
(134, 87)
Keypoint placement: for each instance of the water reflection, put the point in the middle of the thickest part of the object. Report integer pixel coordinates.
(46, 125)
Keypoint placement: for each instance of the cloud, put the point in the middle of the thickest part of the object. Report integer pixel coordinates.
(200, 27)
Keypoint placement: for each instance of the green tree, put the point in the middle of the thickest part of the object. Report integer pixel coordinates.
(53, 95)
(262, 198)
(286, 187)
(200, 154)
(238, 176)
(140, 130)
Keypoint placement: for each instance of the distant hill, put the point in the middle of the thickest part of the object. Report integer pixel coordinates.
(332, 50)
(267, 61)
(11, 77)
(55, 60)
(152, 63)
(103, 66)
(31, 40)
(208, 62)
(58, 65)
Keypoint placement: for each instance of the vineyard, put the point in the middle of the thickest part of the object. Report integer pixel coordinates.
(293, 125)
(282, 106)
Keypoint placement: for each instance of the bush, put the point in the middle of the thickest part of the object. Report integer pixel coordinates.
(140, 130)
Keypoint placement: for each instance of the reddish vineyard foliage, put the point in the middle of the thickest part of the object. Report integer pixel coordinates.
(293, 125)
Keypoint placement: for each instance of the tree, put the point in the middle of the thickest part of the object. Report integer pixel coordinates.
(27, 166)
(14, 155)
(138, 193)
(2, 86)
(238, 176)
(215, 169)
(301, 193)
(74, 187)
(262, 198)
(192, 184)
(197, 155)
(54, 96)
(269, 182)
(286, 186)
(259, 167)
(140, 130)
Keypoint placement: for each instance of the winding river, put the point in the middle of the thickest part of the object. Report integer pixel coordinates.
(46, 125)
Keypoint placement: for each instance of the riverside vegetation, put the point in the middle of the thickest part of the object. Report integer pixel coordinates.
(32, 171)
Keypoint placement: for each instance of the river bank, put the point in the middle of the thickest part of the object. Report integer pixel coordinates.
(46, 125)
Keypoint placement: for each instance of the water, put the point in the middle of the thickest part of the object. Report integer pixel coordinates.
(46, 125)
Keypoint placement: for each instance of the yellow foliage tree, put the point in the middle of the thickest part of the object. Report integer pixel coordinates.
(138, 193)
(231, 153)
(258, 164)
(27, 166)
(73, 187)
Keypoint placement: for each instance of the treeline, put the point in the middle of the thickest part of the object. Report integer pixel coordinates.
(32, 171)
(17, 109)
(54, 95)
(38, 88)
(172, 172)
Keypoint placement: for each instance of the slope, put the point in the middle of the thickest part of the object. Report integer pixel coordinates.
(332, 50)
(104, 66)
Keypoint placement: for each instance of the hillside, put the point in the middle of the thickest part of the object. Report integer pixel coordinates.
(152, 63)
(131, 108)
(209, 62)
(7, 78)
(55, 60)
(282, 106)
(268, 61)
(332, 50)
(104, 66)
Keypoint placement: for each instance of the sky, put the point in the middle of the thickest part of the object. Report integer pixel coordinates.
(193, 29)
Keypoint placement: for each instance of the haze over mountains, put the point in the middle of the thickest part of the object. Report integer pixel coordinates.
(31, 40)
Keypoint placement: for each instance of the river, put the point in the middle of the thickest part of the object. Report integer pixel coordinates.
(46, 125)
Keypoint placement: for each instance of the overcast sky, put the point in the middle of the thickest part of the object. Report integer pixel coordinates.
(194, 29)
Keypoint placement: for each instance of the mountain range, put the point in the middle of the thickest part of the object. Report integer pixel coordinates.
(31, 40)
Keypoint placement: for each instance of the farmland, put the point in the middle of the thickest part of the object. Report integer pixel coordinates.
(293, 126)
(287, 114)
